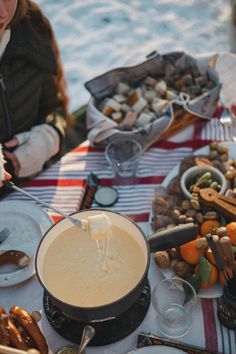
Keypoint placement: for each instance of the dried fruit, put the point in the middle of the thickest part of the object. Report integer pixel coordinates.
(162, 259)
(186, 204)
(211, 215)
(182, 219)
(199, 217)
(213, 145)
(176, 214)
(222, 231)
(223, 149)
(195, 204)
(181, 268)
(173, 253)
(230, 174)
(213, 154)
(224, 157)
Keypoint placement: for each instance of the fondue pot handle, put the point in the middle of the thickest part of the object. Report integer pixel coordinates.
(172, 237)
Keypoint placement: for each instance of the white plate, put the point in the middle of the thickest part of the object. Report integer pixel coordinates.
(216, 290)
(27, 224)
(158, 349)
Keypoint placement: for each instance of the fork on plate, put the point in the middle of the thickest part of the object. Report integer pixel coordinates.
(4, 234)
(228, 119)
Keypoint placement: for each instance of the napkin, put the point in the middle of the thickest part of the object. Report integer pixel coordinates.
(183, 111)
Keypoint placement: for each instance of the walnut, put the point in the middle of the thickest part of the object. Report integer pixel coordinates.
(173, 252)
(162, 259)
(181, 268)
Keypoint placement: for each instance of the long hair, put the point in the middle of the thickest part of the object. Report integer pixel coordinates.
(29, 11)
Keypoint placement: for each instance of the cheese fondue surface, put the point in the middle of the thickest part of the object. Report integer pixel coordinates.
(88, 273)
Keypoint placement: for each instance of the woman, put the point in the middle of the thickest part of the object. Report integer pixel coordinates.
(33, 102)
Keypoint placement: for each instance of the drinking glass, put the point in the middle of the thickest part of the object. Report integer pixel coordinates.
(232, 112)
(174, 300)
(124, 155)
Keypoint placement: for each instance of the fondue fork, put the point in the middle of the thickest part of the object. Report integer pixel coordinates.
(98, 226)
(82, 224)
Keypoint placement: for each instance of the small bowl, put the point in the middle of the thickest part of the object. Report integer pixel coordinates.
(195, 171)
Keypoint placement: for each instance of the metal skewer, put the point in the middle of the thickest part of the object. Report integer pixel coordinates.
(73, 220)
(213, 241)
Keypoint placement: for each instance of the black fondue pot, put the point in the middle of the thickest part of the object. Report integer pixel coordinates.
(160, 241)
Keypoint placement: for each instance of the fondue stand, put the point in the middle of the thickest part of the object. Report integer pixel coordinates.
(31, 296)
(107, 331)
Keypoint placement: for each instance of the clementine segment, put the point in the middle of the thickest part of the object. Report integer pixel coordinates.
(190, 252)
(208, 226)
(231, 230)
(213, 277)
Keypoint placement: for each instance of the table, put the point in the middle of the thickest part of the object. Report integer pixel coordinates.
(62, 185)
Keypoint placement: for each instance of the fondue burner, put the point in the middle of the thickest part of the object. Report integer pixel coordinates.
(108, 331)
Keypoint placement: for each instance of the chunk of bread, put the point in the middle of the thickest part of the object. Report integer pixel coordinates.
(99, 226)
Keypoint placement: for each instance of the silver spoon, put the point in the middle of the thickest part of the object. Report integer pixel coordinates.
(88, 334)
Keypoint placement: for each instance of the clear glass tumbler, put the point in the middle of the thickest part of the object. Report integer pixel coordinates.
(174, 301)
(123, 155)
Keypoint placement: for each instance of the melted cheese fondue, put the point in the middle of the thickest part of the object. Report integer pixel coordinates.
(84, 272)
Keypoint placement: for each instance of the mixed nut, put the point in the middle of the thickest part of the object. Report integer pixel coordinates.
(219, 157)
(165, 260)
(171, 208)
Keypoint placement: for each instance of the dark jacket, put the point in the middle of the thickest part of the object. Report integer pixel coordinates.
(27, 89)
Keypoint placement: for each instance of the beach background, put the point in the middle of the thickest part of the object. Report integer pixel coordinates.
(95, 36)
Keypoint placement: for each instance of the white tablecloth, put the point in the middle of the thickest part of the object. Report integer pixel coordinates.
(62, 185)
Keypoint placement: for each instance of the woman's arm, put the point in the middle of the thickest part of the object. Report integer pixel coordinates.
(47, 136)
(51, 107)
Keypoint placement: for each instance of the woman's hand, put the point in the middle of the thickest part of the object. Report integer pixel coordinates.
(6, 176)
(11, 156)
(3, 174)
(32, 149)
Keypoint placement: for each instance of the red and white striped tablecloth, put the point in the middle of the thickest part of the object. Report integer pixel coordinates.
(63, 184)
